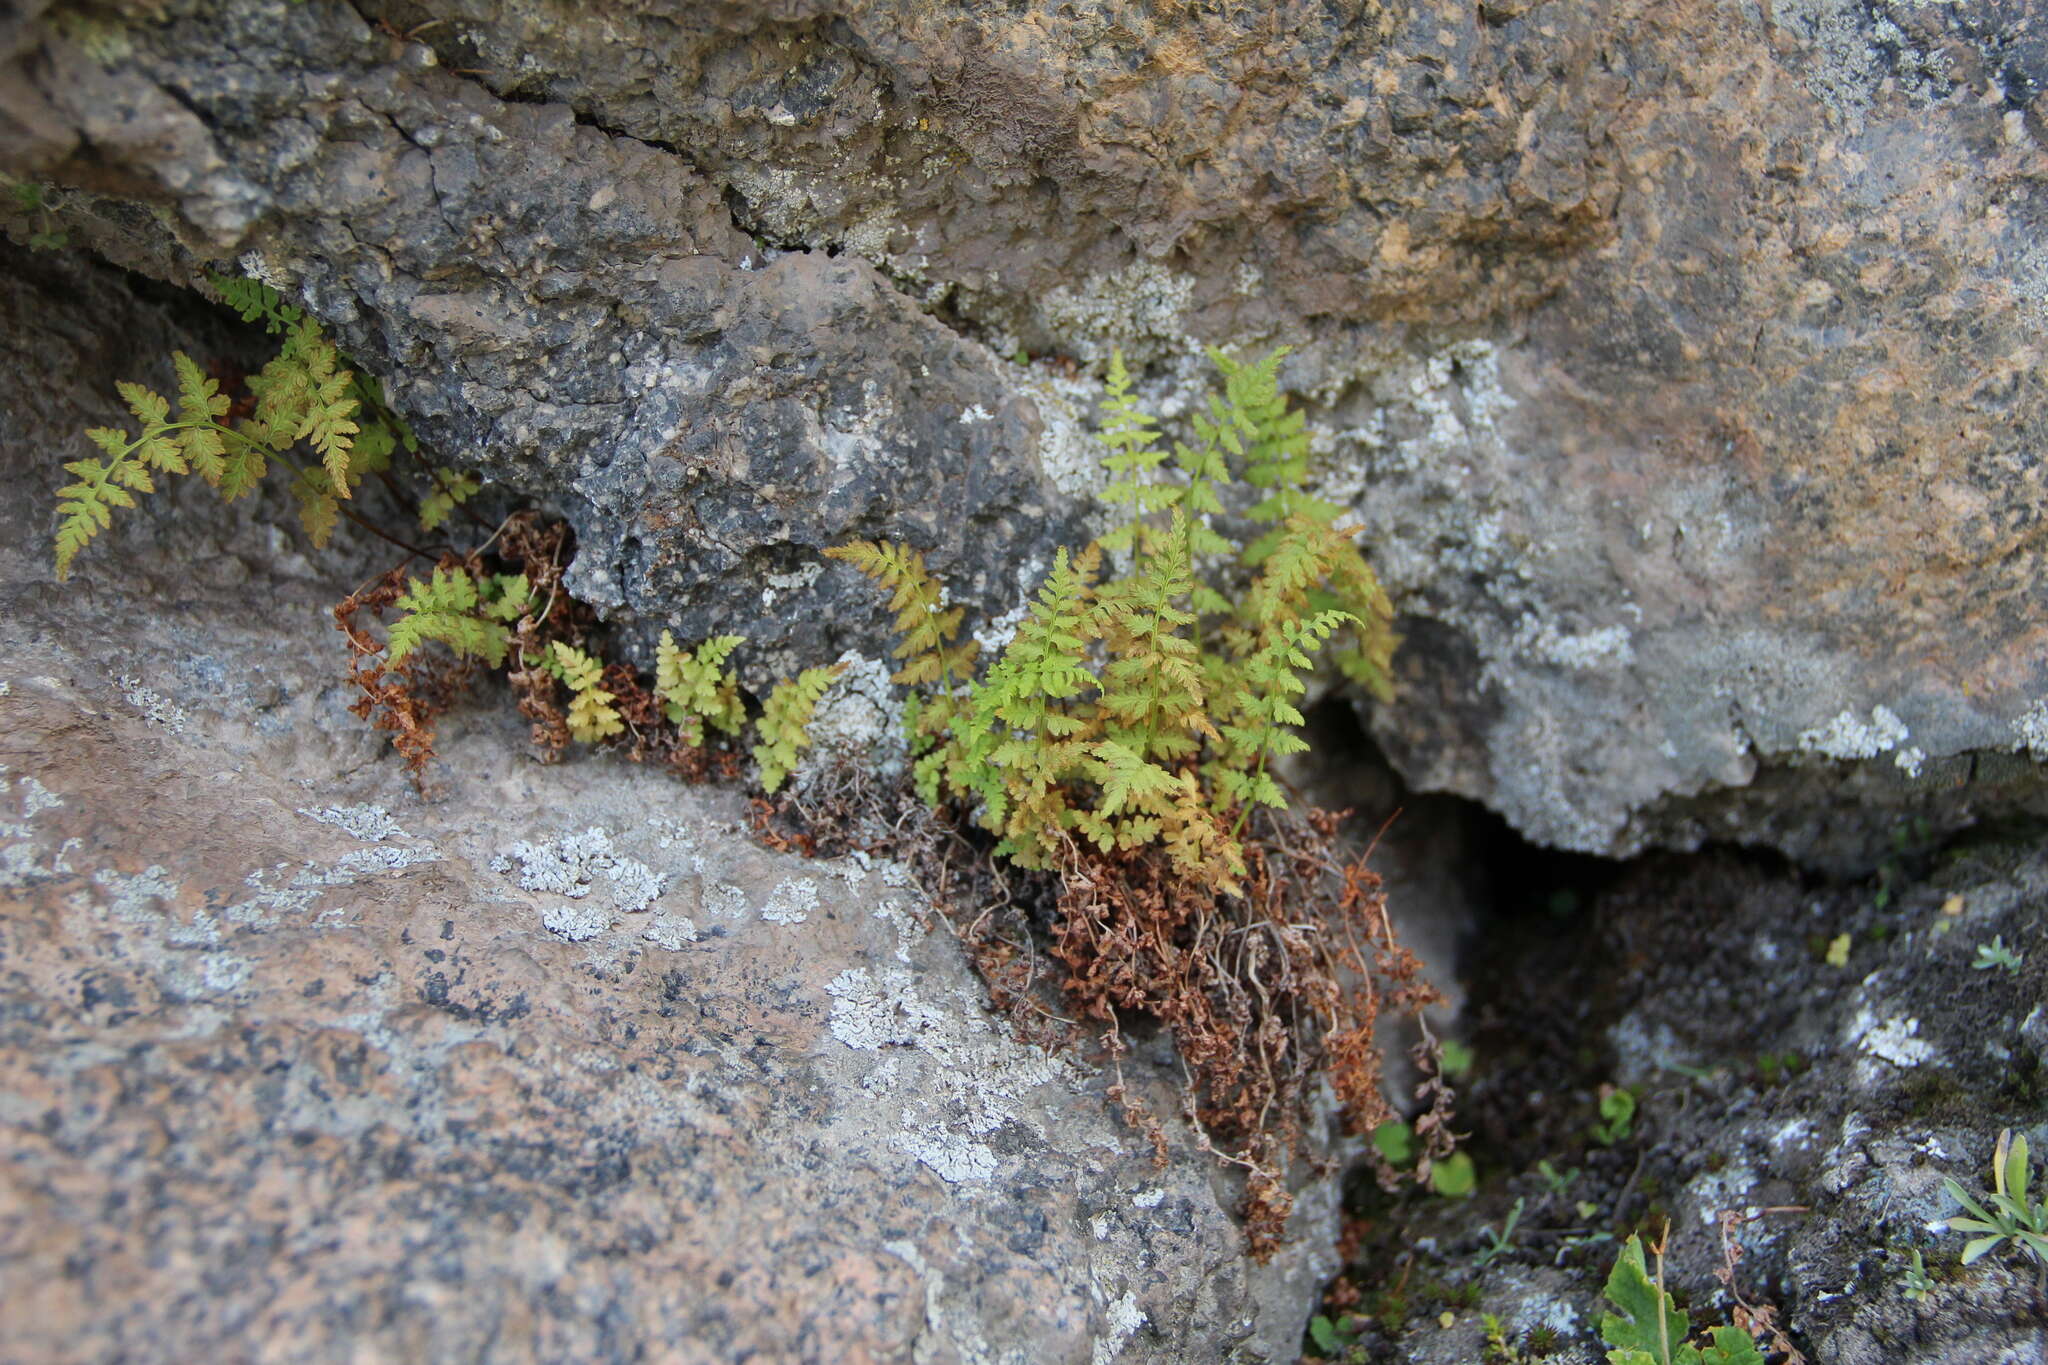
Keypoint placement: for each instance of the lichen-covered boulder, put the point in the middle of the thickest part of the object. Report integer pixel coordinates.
(551, 1063)
(1682, 363)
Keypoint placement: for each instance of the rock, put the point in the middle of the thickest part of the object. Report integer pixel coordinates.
(555, 1064)
(1684, 373)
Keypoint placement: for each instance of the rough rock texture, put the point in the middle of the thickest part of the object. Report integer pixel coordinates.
(558, 1065)
(1822, 1102)
(1682, 359)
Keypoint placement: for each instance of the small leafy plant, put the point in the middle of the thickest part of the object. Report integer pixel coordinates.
(1617, 1115)
(1996, 954)
(1334, 1339)
(33, 201)
(1499, 1244)
(1916, 1283)
(1649, 1329)
(1145, 711)
(2012, 1216)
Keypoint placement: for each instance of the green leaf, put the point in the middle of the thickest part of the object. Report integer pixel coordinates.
(1395, 1141)
(1730, 1346)
(1976, 1247)
(1454, 1177)
(1324, 1333)
(318, 511)
(450, 490)
(1649, 1322)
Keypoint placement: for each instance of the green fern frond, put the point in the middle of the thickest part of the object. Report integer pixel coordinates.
(785, 720)
(1275, 440)
(85, 507)
(451, 490)
(1128, 778)
(592, 717)
(319, 510)
(696, 687)
(929, 628)
(1130, 435)
(256, 302)
(446, 608)
(201, 406)
(303, 394)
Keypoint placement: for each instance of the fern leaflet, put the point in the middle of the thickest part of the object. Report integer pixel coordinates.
(785, 719)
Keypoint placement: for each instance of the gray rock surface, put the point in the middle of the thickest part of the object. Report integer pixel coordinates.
(1681, 361)
(556, 1064)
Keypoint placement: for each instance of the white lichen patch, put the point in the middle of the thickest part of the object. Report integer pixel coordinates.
(995, 634)
(2030, 731)
(155, 707)
(728, 901)
(672, 932)
(371, 824)
(858, 722)
(1068, 452)
(1910, 761)
(35, 799)
(1137, 310)
(188, 955)
(573, 866)
(1848, 737)
(578, 921)
(791, 902)
(1123, 1318)
(908, 930)
(969, 1081)
(1606, 647)
(1895, 1040)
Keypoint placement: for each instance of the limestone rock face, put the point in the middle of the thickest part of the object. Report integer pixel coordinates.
(555, 1064)
(1681, 360)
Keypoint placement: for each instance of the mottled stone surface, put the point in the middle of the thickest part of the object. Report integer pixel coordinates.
(554, 1064)
(1681, 359)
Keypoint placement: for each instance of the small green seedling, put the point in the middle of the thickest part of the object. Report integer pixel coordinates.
(1996, 954)
(1332, 1339)
(1499, 1243)
(1555, 1182)
(1917, 1283)
(2012, 1216)
(1650, 1330)
(1617, 1116)
(1775, 1068)
(1456, 1057)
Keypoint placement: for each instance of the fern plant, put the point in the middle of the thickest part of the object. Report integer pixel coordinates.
(785, 721)
(469, 614)
(304, 395)
(696, 689)
(592, 717)
(1144, 711)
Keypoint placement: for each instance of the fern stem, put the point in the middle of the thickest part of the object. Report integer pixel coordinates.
(1245, 809)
